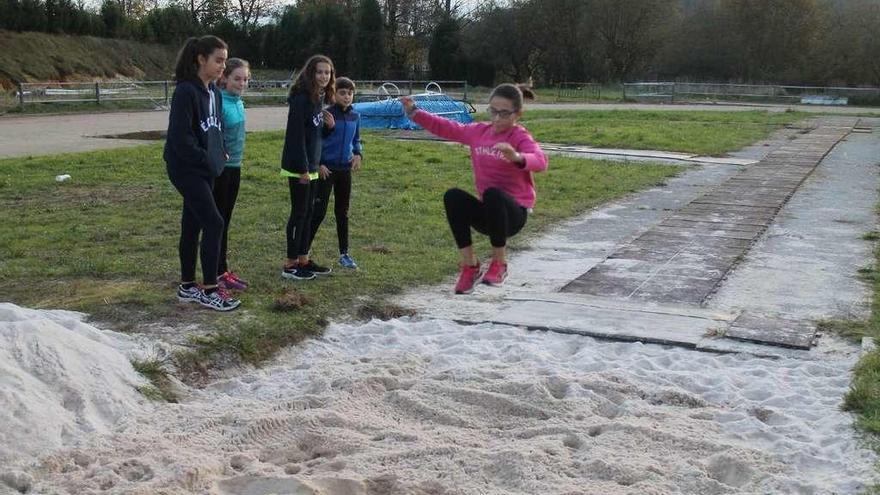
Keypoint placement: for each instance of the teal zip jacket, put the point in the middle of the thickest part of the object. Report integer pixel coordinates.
(233, 128)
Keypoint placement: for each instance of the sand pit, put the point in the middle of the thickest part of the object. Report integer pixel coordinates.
(431, 407)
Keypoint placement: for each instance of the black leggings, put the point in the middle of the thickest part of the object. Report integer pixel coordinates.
(200, 215)
(225, 193)
(299, 228)
(339, 182)
(498, 215)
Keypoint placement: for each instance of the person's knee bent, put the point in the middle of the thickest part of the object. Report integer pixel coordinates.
(453, 197)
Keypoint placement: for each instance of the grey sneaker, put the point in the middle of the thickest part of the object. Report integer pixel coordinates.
(219, 300)
(192, 294)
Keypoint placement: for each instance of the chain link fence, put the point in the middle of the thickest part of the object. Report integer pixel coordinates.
(672, 92)
(158, 94)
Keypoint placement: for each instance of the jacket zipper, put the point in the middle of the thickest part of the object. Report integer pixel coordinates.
(344, 136)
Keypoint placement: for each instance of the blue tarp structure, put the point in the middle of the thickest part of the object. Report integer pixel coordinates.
(389, 114)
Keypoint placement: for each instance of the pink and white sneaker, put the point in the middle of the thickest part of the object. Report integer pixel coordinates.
(230, 281)
(467, 279)
(496, 273)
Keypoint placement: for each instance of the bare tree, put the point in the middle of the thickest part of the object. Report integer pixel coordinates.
(629, 32)
(248, 13)
(135, 9)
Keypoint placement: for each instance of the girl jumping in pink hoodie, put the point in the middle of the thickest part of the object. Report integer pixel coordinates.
(503, 155)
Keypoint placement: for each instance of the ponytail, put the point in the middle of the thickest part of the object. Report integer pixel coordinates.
(187, 66)
(527, 92)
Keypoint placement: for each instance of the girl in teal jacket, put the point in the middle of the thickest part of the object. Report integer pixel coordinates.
(233, 83)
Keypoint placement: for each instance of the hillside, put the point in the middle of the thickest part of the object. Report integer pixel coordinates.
(32, 56)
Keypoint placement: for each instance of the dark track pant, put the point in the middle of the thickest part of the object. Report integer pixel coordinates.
(200, 215)
(225, 194)
(339, 183)
(498, 215)
(299, 228)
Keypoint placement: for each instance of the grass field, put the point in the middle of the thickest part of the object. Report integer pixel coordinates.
(705, 133)
(104, 242)
(864, 395)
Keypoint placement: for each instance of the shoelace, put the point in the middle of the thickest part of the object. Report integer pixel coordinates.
(234, 277)
(223, 294)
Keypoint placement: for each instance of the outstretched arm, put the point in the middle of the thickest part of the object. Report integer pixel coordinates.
(438, 126)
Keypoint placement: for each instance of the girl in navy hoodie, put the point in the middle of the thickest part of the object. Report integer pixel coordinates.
(312, 89)
(194, 157)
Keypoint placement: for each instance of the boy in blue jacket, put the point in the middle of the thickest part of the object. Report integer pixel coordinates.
(340, 156)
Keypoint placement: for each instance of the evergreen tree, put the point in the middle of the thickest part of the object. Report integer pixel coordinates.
(33, 16)
(370, 54)
(444, 55)
(113, 18)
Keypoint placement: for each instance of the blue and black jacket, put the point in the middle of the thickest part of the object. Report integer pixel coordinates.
(302, 139)
(343, 141)
(194, 144)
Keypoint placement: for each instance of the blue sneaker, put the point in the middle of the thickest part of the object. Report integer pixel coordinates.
(347, 262)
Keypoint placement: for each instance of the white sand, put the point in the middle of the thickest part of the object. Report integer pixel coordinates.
(59, 377)
(434, 407)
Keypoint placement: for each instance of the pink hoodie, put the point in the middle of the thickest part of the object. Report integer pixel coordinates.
(491, 169)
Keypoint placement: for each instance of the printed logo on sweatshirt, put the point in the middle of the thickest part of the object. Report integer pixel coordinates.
(488, 150)
(211, 121)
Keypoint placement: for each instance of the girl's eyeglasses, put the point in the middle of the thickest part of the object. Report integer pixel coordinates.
(504, 114)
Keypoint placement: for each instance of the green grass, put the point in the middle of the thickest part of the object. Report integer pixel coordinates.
(155, 371)
(32, 56)
(104, 242)
(863, 397)
(607, 93)
(705, 133)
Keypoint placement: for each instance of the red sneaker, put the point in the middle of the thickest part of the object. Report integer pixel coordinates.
(231, 281)
(467, 279)
(496, 273)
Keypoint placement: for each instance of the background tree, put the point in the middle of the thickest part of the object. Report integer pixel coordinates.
(444, 55)
(370, 50)
(249, 13)
(113, 19)
(628, 33)
(171, 24)
(774, 37)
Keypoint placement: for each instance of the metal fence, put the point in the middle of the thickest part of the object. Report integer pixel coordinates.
(158, 93)
(578, 91)
(672, 92)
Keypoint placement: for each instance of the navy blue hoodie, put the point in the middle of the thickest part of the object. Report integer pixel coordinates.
(343, 141)
(302, 139)
(195, 139)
